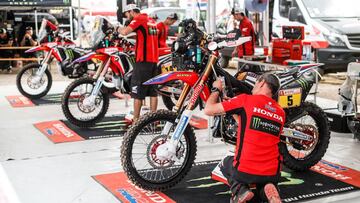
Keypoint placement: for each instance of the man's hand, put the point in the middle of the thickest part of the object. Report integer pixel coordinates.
(218, 84)
(234, 53)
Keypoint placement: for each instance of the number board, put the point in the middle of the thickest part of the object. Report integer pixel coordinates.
(167, 67)
(290, 97)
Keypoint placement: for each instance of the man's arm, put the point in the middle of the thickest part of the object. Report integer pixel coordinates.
(212, 106)
(125, 30)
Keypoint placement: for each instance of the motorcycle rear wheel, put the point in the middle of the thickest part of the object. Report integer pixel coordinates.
(139, 177)
(321, 124)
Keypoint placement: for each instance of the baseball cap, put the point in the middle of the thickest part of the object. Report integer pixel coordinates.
(2, 31)
(130, 7)
(173, 16)
(236, 11)
(28, 28)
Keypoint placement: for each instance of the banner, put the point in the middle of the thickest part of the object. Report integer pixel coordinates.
(35, 2)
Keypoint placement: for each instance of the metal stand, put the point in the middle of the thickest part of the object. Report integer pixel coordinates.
(210, 131)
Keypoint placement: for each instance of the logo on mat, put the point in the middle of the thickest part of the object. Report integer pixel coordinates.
(49, 131)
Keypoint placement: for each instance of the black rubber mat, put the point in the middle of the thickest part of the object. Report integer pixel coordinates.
(114, 126)
(294, 186)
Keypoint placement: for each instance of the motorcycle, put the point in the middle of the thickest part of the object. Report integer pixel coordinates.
(159, 150)
(86, 100)
(35, 80)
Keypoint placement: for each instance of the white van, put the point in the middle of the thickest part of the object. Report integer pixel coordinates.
(334, 21)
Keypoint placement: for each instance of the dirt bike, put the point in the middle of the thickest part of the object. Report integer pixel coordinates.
(159, 150)
(86, 100)
(35, 80)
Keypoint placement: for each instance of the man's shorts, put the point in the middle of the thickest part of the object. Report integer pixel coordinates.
(143, 71)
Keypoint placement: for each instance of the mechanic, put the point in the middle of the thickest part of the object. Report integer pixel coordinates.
(163, 28)
(246, 29)
(260, 121)
(147, 56)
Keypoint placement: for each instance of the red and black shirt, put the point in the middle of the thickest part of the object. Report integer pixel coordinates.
(146, 38)
(261, 121)
(163, 33)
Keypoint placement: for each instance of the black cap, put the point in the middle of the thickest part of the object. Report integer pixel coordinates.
(2, 30)
(173, 16)
(28, 28)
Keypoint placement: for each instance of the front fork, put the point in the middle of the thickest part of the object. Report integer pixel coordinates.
(44, 65)
(100, 79)
(168, 150)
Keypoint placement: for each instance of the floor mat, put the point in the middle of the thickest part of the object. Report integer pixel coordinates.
(64, 131)
(21, 101)
(199, 187)
(114, 126)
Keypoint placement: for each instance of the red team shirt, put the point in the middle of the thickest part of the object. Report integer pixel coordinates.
(146, 38)
(261, 122)
(163, 33)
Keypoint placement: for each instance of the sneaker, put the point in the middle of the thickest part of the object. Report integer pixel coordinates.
(272, 193)
(243, 195)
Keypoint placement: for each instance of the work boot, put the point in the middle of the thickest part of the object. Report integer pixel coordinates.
(272, 193)
(243, 195)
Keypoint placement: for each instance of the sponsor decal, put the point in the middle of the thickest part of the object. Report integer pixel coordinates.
(265, 125)
(57, 132)
(287, 92)
(270, 108)
(49, 131)
(338, 172)
(317, 194)
(196, 93)
(181, 127)
(134, 89)
(119, 185)
(268, 114)
(19, 101)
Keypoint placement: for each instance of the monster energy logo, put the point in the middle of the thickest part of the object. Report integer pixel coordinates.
(303, 83)
(256, 122)
(152, 31)
(69, 54)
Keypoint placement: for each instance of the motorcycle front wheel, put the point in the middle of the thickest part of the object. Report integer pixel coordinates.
(76, 111)
(138, 153)
(300, 155)
(32, 86)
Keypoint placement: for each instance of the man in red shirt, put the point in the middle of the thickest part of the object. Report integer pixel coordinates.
(260, 121)
(147, 56)
(246, 29)
(163, 28)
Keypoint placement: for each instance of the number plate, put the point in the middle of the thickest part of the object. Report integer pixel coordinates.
(290, 97)
(167, 67)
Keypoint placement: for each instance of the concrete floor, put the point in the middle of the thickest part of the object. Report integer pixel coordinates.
(43, 172)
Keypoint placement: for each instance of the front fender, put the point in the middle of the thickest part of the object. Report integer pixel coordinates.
(187, 77)
(36, 49)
